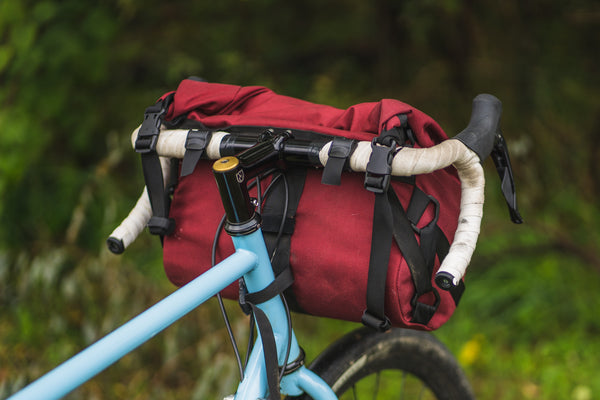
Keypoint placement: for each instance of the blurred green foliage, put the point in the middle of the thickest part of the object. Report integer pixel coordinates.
(75, 79)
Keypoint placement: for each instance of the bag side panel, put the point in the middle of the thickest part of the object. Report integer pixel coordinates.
(197, 210)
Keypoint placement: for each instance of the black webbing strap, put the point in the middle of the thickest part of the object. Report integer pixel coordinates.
(160, 223)
(339, 156)
(374, 316)
(283, 281)
(433, 240)
(377, 180)
(421, 273)
(195, 146)
(279, 245)
(390, 221)
(419, 202)
(270, 352)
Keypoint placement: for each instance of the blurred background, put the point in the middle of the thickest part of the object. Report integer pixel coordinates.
(75, 78)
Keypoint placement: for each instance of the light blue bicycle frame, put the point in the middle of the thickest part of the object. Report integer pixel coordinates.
(251, 261)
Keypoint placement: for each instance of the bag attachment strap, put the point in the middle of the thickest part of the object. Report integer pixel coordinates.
(250, 300)
(391, 221)
(433, 240)
(145, 145)
(339, 158)
(278, 231)
(377, 180)
(195, 146)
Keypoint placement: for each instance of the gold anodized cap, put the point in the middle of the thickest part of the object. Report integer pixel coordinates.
(225, 164)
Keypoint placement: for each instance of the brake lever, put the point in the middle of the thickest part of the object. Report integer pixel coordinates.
(501, 160)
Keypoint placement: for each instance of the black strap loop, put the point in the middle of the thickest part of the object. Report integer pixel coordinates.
(195, 146)
(161, 226)
(146, 145)
(339, 156)
(283, 281)
(423, 312)
(376, 322)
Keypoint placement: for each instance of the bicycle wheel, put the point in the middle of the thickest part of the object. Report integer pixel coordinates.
(399, 364)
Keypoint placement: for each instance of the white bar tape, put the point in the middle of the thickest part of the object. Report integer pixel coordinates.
(408, 161)
(139, 216)
(170, 144)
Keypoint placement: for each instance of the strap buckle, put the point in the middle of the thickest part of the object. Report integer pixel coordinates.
(379, 168)
(150, 129)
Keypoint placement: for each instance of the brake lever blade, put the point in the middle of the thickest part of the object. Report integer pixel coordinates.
(501, 160)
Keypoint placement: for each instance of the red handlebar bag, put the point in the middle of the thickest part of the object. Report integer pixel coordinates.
(349, 259)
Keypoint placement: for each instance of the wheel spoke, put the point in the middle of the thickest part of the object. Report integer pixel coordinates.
(377, 381)
(402, 382)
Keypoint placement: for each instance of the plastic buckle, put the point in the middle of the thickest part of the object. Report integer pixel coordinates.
(379, 167)
(150, 129)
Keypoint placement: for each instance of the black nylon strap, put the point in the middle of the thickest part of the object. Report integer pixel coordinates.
(283, 281)
(381, 243)
(421, 273)
(195, 146)
(417, 205)
(280, 245)
(404, 237)
(269, 350)
(146, 145)
(271, 223)
(429, 234)
(339, 154)
(154, 182)
(433, 240)
(377, 180)
(409, 136)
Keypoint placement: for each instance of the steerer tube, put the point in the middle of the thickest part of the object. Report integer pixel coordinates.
(231, 181)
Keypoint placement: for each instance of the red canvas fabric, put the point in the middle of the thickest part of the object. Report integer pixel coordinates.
(331, 243)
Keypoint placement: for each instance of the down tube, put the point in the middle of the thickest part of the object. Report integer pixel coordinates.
(91, 361)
